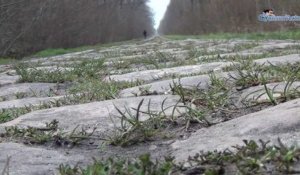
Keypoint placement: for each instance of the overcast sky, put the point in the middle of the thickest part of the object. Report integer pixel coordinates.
(159, 8)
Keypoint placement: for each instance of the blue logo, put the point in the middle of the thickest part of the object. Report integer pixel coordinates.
(268, 18)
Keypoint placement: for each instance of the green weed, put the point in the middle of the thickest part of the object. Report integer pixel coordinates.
(50, 133)
(276, 96)
(251, 158)
(240, 47)
(89, 90)
(143, 165)
(28, 74)
(88, 69)
(198, 102)
(214, 97)
(12, 113)
(201, 103)
(85, 69)
(133, 129)
(247, 74)
(269, 92)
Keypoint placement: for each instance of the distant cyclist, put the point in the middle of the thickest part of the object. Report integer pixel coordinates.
(145, 34)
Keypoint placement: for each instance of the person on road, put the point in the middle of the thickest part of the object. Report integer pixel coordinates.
(145, 34)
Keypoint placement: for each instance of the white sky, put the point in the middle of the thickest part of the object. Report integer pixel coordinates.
(159, 8)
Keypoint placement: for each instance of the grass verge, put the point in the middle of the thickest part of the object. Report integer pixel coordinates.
(6, 60)
(280, 35)
(60, 51)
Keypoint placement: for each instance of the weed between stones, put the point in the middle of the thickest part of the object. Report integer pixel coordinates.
(133, 130)
(48, 134)
(250, 74)
(251, 158)
(10, 114)
(85, 69)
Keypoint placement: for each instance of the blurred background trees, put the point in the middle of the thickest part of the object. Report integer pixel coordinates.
(27, 26)
(211, 16)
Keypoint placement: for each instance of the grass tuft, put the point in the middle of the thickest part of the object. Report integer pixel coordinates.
(49, 134)
(134, 130)
(142, 165)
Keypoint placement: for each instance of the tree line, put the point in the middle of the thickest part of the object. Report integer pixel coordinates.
(213, 16)
(27, 26)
